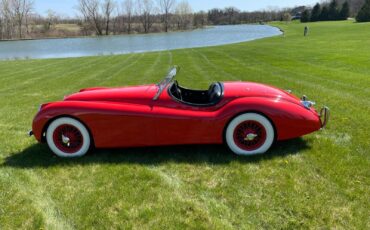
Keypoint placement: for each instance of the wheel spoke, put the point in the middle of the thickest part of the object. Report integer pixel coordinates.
(246, 128)
(68, 138)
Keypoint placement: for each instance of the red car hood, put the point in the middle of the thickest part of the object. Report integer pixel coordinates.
(135, 94)
(250, 89)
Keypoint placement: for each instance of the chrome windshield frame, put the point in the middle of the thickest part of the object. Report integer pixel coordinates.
(166, 81)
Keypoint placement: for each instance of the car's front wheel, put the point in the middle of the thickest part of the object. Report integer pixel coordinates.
(249, 134)
(67, 137)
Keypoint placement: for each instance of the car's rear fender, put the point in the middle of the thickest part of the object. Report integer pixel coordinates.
(244, 112)
(290, 120)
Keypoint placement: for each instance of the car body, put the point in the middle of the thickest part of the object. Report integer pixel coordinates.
(167, 114)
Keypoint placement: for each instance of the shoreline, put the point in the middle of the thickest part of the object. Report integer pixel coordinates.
(236, 41)
(103, 36)
(125, 34)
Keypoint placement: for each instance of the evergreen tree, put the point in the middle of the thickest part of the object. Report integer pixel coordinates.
(305, 17)
(324, 14)
(344, 12)
(364, 14)
(333, 10)
(315, 14)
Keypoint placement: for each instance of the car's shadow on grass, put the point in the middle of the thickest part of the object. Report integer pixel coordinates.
(39, 156)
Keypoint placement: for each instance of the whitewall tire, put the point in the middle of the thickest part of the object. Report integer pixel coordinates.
(249, 134)
(67, 137)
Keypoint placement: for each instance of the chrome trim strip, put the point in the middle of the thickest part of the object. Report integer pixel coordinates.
(324, 116)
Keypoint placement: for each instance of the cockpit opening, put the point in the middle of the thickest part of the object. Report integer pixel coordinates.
(197, 97)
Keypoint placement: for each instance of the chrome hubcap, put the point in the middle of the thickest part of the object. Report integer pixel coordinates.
(66, 140)
(250, 137)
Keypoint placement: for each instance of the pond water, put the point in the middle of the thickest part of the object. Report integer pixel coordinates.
(92, 46)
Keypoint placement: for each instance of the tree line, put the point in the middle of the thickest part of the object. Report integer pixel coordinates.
(104, 17)
(144, 16)
(364, 13)
(232, 15)
(335, 10)
(18, 20)
(14, 18)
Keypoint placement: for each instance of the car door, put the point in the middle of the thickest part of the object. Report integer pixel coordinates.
(176, 123)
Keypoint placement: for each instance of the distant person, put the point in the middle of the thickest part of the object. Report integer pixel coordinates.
(305, 31)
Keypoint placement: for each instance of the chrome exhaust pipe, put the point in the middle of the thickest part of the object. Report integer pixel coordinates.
(30, 133)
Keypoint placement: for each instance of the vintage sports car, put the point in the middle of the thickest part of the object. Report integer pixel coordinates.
(247, 116)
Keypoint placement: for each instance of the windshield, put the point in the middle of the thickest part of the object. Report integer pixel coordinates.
(167, 80)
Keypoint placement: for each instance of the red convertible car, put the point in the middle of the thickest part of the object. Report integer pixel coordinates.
(247, 116)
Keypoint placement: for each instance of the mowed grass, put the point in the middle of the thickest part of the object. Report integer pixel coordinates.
(319, 181)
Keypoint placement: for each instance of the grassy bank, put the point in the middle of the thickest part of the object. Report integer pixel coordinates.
(319, 181)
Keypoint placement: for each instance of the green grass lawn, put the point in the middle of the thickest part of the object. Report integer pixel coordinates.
(319, 181)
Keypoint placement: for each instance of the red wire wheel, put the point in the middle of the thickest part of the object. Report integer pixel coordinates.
(249, 135)
(68, 139)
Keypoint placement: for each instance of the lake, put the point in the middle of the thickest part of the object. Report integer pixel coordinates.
(122, 44)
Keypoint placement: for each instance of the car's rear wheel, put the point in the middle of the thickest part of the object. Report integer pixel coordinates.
(249, 134)
(67, 137)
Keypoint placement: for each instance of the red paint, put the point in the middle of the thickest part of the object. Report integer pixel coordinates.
(128, 117)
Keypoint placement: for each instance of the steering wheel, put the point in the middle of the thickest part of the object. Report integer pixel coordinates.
(177, 89)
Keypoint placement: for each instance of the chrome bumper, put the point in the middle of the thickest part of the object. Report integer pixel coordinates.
(324, 116)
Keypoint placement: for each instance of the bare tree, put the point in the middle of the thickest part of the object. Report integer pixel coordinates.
(19, 9)
(7, 24)
(90, 11)
(231, 14)
(184, 14)
(145, 10)
(166, 8)
(50, 19)
(28, 11)
(116, 19)
(128, 8)
(16, 8)
(108, 7)
(2, 19)
(286, 17)
(355, 6)
(200, 19)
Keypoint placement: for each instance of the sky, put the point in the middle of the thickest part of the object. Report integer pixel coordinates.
(67, 7)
